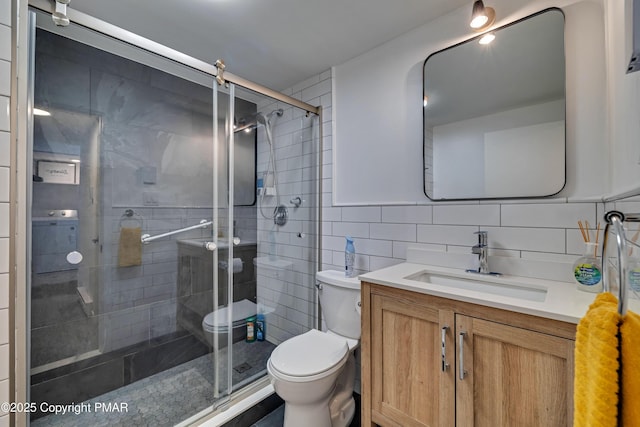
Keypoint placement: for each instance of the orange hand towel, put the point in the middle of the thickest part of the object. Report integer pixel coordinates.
(130, 247)
(630, 353)
(596, 365)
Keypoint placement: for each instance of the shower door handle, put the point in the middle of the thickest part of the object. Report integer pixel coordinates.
(210, 246)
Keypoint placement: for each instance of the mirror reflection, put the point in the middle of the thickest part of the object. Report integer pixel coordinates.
(494, 113)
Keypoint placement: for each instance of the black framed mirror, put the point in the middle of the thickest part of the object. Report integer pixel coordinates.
(494, 114)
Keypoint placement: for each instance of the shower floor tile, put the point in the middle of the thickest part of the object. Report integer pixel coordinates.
(169, 397)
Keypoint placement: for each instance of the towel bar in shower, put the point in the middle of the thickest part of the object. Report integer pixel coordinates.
(146, 238)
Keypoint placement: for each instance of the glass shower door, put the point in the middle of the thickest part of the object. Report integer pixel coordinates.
(235, 360)
(266, 230)
(222, 256)
(194, 209)
(121, 211)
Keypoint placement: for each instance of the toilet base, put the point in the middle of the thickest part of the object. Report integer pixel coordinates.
(318, 415)
(307, 415)
(342, 405)
(335, 409)
(343, 416)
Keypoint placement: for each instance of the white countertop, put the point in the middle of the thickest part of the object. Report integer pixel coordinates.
(562, 301)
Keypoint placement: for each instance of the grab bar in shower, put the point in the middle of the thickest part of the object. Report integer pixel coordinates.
(146, 238)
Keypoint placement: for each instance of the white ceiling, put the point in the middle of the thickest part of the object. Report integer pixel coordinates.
(276, 43)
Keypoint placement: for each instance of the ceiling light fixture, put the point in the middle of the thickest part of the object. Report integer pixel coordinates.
(481, 17)
(487, 38)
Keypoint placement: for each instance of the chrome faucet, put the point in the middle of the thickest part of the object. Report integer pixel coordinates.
(482, 250)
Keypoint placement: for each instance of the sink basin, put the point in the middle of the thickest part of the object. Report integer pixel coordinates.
(479, 283)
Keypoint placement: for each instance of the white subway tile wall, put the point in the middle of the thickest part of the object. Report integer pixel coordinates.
(5, 78)
(4, 111)
(286, 272)
(5, 12)
(5, 41)
(519, 228)
(5, 85)
(4, 149)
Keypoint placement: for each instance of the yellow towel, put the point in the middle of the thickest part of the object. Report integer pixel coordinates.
(130, 247)
(630, 350)
(596, 365)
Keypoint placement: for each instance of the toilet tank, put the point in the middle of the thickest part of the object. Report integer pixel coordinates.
(340, 302)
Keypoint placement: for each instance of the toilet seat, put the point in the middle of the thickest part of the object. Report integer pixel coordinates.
(309, 356)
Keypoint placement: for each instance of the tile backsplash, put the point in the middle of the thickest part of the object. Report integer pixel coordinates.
(544, 229)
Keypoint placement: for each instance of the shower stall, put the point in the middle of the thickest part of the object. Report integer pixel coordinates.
(174, 227)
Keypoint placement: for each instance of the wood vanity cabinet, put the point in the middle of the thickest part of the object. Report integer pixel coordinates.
(517, 369)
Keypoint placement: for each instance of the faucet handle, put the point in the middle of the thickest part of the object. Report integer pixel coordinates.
(482, 238)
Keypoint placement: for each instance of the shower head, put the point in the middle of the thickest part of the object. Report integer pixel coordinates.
(262, 119)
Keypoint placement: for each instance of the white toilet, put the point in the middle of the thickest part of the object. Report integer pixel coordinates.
(216, 323)
(314, 373)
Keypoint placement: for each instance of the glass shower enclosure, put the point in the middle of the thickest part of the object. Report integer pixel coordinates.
(174, 230)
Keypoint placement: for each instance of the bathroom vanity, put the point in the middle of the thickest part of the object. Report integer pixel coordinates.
(442, 347)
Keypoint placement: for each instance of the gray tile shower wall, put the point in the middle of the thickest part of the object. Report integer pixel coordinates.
(140, 302)
(155, 158)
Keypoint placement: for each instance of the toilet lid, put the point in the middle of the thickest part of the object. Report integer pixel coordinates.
(241, 310)
(309, 354)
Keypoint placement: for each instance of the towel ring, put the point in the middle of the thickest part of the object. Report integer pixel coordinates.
(131, 215)
(615, 219)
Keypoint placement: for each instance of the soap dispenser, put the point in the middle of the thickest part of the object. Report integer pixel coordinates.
(587, 269)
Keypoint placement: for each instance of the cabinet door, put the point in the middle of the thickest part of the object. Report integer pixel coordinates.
(410, 386)
(514, 377)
